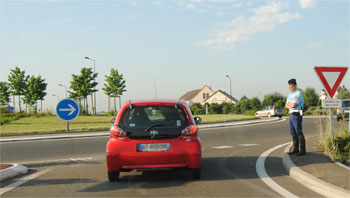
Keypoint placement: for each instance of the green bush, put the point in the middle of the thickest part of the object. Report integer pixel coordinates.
(340, 145)
(215, 108)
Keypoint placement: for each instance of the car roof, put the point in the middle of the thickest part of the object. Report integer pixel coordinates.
(155, 102)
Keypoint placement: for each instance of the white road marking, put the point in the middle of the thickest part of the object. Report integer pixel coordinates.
(222, 147)
(22, 181)
(57, 160)
(260, 170)
(248, 144)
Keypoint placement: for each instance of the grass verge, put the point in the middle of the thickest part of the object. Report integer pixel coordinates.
(52, 124)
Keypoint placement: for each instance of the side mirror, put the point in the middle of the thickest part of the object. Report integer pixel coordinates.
(113, 120)
(197, 120)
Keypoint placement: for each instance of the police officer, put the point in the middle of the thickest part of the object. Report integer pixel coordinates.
(295, 104)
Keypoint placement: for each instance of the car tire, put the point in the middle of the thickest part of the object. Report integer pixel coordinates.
(113, 176)
(256, 115)
(280, 116)
(196, 174)
(339, 118)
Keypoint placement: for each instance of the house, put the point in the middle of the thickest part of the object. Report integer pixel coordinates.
(219, 97)
(197, 95)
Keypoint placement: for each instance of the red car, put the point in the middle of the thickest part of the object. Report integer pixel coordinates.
(154, 134)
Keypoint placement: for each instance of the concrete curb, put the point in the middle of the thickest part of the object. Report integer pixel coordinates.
(107, 134)
(12, 171)
(319, 186)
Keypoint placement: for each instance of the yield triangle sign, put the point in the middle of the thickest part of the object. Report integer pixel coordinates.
(331, 78)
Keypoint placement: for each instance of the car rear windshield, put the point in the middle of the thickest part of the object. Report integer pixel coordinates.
(144, 117)
(346, 103)
(279, 107)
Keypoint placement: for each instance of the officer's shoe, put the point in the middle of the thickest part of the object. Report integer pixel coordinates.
(294, 151)
(295, 146)
(302, 146)
(301, 152)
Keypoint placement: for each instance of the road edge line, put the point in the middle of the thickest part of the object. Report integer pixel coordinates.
(319, 186)
(261, 171)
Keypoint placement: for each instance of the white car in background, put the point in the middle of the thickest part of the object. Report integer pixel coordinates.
(270, 111)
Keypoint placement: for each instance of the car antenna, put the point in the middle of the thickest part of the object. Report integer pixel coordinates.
(131, 106)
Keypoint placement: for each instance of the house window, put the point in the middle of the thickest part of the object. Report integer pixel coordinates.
(205, 95)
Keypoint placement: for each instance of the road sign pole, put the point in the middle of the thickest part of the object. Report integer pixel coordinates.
(67, 126)
(331, 123)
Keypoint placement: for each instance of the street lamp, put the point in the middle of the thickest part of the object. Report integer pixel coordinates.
(64, 87)
(230, 84)
(58, 98)
(94, 108)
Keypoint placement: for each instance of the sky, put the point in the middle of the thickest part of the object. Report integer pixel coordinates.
(177, 45)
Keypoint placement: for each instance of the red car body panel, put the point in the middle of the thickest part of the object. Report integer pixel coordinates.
(122, 154)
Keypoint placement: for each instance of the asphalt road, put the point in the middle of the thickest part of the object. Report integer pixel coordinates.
(76, 167)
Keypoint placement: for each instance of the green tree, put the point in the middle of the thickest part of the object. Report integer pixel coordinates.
(41, 91)
(31, 93)
(310, 97)
(114, 86)
(82, 86)
(18, 82)
(343, 94)
(255, 103)
(4, 93)
(271, 99)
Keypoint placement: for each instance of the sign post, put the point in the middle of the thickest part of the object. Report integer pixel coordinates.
(67, 110)
(331, 78)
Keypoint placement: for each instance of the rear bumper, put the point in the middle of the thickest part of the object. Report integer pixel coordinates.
(122, 154)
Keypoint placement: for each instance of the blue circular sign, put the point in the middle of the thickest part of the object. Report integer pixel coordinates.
(67, 109)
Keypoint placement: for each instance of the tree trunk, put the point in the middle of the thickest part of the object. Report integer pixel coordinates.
(92, 104)
(87, 105)
(84, 111)
(14, 103)
(120, 102)
(109, 104)
(115, 105)
(19, 103)
(41, 106)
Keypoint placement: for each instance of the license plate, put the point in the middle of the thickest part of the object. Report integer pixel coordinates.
(154, 147)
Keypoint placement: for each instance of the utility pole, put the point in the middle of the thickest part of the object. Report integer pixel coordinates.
(64, 87)
(94, 102)
(230, 84)
(155, 89)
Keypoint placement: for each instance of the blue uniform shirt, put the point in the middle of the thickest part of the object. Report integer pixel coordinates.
(297, 97)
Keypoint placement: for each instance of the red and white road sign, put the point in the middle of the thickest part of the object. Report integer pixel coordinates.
(331, 78)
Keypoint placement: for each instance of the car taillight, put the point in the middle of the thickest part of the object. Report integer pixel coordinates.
(190, 130)
(117, 132)
(338, 109)
(274, 108)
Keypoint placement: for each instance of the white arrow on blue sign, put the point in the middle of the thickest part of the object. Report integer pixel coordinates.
(67, 109)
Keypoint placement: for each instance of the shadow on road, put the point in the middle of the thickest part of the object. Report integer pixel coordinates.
(216, 168)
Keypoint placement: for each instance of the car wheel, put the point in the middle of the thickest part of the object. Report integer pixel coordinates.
(113, 176)
(280, 116)
(196, 173)
(256, 115)
(269, 115)
(338, 119)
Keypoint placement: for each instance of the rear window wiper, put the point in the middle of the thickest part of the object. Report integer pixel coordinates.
(156, 125)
